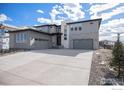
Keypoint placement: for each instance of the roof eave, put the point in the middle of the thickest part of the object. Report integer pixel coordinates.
(85, 21)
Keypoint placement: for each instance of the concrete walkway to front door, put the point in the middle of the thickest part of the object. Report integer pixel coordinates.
(46, 67)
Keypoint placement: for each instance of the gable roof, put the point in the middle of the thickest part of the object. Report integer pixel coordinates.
(32, 29)
(28, 29)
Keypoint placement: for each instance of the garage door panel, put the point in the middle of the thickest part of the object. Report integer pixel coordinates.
(83, 44)
(41, 45)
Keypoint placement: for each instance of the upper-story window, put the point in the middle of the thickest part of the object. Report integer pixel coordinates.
(91, 22)
(80, 28)
(65, 34)
(75, 28)
(72, 29)
(65, 38)
(65, 31)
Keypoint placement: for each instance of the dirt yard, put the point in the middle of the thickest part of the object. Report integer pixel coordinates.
(101, 73)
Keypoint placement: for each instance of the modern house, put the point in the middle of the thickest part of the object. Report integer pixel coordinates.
(37, 37)
(81, 34)
(75, 35)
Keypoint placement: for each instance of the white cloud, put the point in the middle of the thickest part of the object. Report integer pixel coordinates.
(108, 15)
(99, 8)
(73, 11)
(43, 20)
(4, 17)
(67, 11)
(111, 28)
(54, 12)
(40, 11)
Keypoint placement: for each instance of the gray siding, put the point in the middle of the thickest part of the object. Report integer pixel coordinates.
(45, 41)
(31, 42)
(14, 44)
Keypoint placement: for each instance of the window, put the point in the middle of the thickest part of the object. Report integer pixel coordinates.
(65, 30)
(91, 22)
(72, 29)
(2, 32)
(21, 37)
(80, 28)
(25, 36)
(65, 38)
(65, 34)
(75, 28)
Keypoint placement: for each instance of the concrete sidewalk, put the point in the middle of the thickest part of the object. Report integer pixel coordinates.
(46, 67)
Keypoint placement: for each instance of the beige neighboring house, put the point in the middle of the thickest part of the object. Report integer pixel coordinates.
(37, 37)
(81, 34)
(4, 36)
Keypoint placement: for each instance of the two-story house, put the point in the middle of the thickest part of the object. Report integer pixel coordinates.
(81, 34)
(74, 35)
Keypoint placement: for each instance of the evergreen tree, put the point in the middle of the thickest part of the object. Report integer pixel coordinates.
(118, 56)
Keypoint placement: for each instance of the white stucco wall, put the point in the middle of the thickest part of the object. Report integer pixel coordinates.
(65, 43)
(89, 31)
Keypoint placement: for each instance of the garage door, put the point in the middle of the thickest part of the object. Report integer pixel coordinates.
(41, 44)
(83, 44)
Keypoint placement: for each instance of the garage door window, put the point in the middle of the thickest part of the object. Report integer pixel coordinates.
(39, 39)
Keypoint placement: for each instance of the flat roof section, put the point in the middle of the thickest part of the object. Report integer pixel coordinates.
(84, 21)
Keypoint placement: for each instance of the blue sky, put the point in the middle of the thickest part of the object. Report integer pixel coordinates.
(25, 14)
(28, 14)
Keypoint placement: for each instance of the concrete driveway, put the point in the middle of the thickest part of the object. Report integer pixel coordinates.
(46, 67)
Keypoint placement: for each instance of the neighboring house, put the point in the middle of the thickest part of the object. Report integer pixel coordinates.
(4, 36)
(37, 37)
(81, 34)
(107, 44)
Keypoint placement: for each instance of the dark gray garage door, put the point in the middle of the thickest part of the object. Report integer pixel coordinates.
(83, 44)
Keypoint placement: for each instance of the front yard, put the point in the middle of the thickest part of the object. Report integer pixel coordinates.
(101, 73)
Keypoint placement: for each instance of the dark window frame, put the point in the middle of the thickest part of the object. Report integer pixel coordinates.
(71, 28)
(75, 28)
(80, 28)
(65, 38)
(91, 22)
